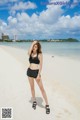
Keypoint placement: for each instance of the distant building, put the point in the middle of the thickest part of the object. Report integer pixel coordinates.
(5, 37)
(0, 40)
(15, 38)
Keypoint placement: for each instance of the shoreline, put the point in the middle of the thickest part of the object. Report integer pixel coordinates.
(56, 76)
(77, 58)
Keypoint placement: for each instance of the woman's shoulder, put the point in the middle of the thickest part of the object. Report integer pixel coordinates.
(40, 55)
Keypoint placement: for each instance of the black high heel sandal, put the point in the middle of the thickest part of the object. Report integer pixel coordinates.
(47, 109)
(34, 104)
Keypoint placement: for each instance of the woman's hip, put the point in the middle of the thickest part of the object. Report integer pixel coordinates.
(32, 72)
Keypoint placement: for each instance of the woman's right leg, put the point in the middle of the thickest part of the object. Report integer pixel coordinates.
(31, 81)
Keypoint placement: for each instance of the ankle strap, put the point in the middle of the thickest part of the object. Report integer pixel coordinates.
(47, 105)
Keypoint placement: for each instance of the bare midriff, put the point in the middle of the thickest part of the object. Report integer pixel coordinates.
(34, 66)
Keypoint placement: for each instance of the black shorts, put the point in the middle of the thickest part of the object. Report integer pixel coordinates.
(32, 73)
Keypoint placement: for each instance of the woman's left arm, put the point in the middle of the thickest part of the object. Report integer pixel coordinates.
(41, 62)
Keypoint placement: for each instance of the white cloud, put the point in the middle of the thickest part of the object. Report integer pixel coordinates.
(51, 15)
(66, 22)
(75, 3)
(24, 6)
(16, 6)
(2, 23)
(7, 1)
(3, 27)
(49, 23)
(12, 21)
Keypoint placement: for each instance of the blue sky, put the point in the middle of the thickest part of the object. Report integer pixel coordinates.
(38, 19)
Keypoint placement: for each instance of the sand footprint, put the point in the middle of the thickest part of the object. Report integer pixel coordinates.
(63, 114)
(59, 115)
(67, 111)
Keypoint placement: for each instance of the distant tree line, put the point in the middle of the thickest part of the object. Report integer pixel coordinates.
(42, 40)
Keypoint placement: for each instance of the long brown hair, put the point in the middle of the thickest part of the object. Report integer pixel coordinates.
(39, 47)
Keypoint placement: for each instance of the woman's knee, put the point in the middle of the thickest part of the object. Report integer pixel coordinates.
(38, 79)
(32, 88)
(39, 82)
(42, 89)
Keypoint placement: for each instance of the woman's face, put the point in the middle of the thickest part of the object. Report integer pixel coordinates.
(35, 47)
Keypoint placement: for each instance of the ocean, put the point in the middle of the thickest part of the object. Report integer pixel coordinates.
(63, 49)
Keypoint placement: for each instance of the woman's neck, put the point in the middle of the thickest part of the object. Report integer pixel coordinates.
(35, 52)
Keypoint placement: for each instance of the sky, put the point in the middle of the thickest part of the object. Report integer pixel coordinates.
(40, 19)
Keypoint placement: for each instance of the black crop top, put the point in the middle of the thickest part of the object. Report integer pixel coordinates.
(34, 59)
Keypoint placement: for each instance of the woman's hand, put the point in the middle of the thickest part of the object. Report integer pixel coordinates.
(39, 77)
(31, 47)
(34, 42)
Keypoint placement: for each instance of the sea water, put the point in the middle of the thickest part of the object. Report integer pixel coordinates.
(63, 49)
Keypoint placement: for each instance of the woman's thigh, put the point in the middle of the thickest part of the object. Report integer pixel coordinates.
(39, 82)
(31, 81)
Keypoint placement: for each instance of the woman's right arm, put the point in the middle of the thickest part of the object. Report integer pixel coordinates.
(30, 49)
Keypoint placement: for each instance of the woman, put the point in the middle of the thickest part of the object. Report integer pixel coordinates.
(34, 72)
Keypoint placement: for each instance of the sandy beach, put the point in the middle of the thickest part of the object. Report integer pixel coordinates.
(61, 79)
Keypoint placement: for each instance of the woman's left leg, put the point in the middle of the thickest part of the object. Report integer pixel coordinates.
(40, 84)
